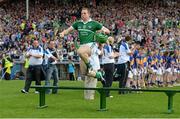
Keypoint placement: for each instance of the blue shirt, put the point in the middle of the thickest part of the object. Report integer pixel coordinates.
(71, 68)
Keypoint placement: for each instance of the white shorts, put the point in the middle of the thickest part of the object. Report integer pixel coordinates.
(159, 72)
(154, 70)
(135, 71)
(88, 44)
(168, 70)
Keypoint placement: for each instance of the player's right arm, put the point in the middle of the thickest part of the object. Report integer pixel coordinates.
(66, 31)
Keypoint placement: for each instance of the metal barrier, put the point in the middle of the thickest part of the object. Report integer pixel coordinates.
(62, 69)
(42, 89)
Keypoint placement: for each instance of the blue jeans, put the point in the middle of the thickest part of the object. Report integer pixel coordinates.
(51, 71)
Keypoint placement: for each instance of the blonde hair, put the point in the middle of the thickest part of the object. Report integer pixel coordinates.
(85, 8)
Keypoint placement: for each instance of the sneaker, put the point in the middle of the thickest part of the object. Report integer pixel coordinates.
(36, 92)
(24, 91)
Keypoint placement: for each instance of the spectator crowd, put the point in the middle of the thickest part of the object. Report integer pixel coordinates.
(154, 25)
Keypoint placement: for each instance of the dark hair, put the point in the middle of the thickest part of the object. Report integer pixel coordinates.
(127, 38)
(138, 42)
(70, 57)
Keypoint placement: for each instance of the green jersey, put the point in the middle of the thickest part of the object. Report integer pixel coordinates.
(86, 31)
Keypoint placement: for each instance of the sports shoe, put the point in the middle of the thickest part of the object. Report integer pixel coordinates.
(36, 92)
(24, 91)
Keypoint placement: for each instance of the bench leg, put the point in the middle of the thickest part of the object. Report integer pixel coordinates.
(102, 100)
(42, 98)
(170, 101)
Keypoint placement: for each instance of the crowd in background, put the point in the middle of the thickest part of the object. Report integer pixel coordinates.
(154, 24)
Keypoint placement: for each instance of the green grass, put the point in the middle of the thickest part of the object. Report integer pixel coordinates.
(69, 103)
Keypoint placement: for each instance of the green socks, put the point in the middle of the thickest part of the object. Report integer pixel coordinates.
(98, 75)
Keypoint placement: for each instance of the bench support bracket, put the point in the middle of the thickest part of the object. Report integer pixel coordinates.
(42, 103)
(170, 101)
(102, 93)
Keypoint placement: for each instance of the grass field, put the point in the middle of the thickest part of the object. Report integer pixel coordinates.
(70, 104)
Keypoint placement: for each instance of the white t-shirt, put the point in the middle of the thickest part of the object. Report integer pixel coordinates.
(35, 51)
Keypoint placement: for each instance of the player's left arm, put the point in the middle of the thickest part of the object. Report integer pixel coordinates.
(101, 28)
(105, 30)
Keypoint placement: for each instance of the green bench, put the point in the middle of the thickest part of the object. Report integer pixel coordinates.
(42, 89)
